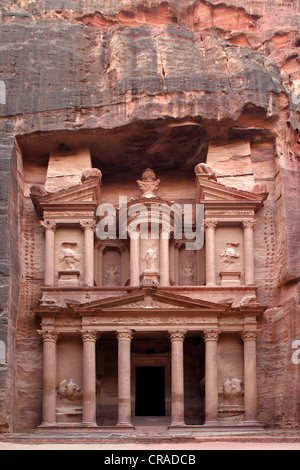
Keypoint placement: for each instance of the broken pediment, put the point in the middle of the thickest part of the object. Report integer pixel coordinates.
(210, 192)
(87, 192)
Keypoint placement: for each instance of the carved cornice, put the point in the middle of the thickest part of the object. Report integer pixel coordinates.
(177, 335)
(48, 336)
(211, 335)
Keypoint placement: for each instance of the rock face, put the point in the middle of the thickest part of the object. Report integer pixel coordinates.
(142, 82)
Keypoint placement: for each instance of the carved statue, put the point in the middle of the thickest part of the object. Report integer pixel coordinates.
(69, 259)
(149, 184)
(149, 258)
(206, 171)
(248, 299)
(69, 390)
(112, 276)
(232, 388)
(229, 255)
(188, 274)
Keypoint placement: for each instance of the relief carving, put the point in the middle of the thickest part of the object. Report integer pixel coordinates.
(205, 171)
(230, 255)
(232, 388)
(69, 259)
(149, 184)
(188, 274)
(150, 258)
(112, 276)
(69, 390)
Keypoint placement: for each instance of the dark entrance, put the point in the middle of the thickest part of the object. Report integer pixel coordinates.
(150, 391)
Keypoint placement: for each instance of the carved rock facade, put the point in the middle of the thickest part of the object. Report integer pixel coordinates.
(168, 87)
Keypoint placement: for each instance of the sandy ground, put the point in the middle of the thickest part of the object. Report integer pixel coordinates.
(165, 447)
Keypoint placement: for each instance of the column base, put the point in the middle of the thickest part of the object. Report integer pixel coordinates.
(125, 426)
(252, 423)
(211, 423)
(87, 424)
(177, 425)
(47, 425)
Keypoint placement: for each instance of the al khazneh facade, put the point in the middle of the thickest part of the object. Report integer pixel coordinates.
(138, 312)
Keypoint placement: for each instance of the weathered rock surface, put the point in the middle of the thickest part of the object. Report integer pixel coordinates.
(133, 72)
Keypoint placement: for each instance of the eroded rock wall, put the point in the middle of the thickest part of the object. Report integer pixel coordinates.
(231, 66)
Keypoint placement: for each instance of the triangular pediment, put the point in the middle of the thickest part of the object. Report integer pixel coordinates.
(149, 300)
(212, 192)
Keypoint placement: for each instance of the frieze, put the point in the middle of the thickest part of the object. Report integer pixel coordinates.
(226, 213)
(72, 214)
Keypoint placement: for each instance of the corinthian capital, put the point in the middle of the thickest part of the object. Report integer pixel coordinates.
(250, 335)
(89, 336)
(124, 335)
(249, 223)
(48, 224)
(210, 224)
(88, 224)
(177, 335)
(211, 335)
(50, 336)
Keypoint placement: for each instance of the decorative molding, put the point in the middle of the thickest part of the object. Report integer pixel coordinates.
(227, 213)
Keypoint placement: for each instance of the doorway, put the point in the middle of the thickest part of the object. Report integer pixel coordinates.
(150, 399)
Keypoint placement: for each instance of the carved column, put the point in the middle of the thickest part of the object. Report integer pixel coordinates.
(89, 378)
(164, 258)
(249, 251)
(124, 377)
(99, 261)
(50, 228)
(211, 377)
(49, 377)
(177, 377)
(134, 259)
(250, 376)
(177, 247)
(89, 228)
(172, 262)
(210, 250)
